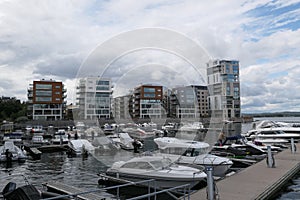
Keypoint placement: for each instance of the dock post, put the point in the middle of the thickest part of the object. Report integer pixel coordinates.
(270, 158)
(293, 145)
(210, 183)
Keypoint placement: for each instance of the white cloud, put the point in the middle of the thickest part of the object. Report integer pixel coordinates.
(51, 39)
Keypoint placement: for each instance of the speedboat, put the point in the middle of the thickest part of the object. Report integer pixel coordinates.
(165, 173)
(39, 140)
(60, 137)
(81, 147)
(124, 140)
(104, 143)
(192, 153)
(16, 153)
(138, 133)
(192, 131)
(274, 134)
(269, 125)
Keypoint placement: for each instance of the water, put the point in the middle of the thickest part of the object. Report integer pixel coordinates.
(291, 190)
(75, 171)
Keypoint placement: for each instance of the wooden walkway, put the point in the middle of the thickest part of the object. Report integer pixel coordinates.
(257, 181)
(67, 189)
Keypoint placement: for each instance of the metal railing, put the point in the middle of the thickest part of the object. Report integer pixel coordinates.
(184, 195)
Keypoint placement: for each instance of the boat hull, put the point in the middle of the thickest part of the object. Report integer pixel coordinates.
(160, 182)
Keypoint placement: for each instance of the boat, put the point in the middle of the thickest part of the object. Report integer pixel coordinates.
(192, 153)
(274, 134)
(192, 131)
(243, 153)
(165, 173)
(276, 126)
(104, 143)
(16, 154)
(26, 191)
(80, 147)
(124, 140)
(60, 137)
(138, 133)
(38, 140)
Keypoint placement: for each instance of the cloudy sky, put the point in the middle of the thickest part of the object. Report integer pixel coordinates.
(53, 38)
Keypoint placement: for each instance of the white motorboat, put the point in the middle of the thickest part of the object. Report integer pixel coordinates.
(60, 137)
(192, 153)
(81, 146)
(124, 140)
(268, 133)
(16, 153)
(276, 126)
(192, 131)
(165, 173)
(138, 133)
(104, 143)
(39, 140)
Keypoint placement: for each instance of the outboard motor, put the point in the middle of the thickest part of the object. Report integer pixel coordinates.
(11, 186)
(26, 192)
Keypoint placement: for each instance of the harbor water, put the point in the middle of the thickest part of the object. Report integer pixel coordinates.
(82, 172)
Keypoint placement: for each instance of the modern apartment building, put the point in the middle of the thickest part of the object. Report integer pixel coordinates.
(146, 102)
(120, 107)
(224, 88)
(93, 98)
(46, 100)
(189, 102)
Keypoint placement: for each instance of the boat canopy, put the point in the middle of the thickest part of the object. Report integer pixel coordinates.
(169, 142)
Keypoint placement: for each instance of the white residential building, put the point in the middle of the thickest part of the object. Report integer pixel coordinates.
(94, 98)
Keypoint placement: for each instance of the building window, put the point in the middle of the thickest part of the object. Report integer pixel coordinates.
(149, 95)
(102, 88)
(102, 82)
(46, 93)
(43, 99)
(149, 89)
(43, 86)
(57, 86)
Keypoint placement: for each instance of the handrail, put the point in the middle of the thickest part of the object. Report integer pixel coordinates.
(161, 191)
(124, 185)
(99, 190)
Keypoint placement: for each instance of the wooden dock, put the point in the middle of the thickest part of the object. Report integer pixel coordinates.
(257, 181)
(67, 189)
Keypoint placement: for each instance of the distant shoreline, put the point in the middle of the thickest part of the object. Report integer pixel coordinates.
(275, 114)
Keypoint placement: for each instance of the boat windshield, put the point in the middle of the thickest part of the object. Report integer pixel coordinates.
(161, 164)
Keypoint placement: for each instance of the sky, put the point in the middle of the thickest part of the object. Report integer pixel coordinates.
(53, 39)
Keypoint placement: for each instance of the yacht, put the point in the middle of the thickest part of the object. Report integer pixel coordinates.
(17, 153)
(271, 133)
(192, 153)
(165, 173)
(272, 126)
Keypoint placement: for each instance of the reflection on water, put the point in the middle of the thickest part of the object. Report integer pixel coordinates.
(74, 171)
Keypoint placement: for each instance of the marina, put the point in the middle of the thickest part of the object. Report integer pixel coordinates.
(51, 167)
